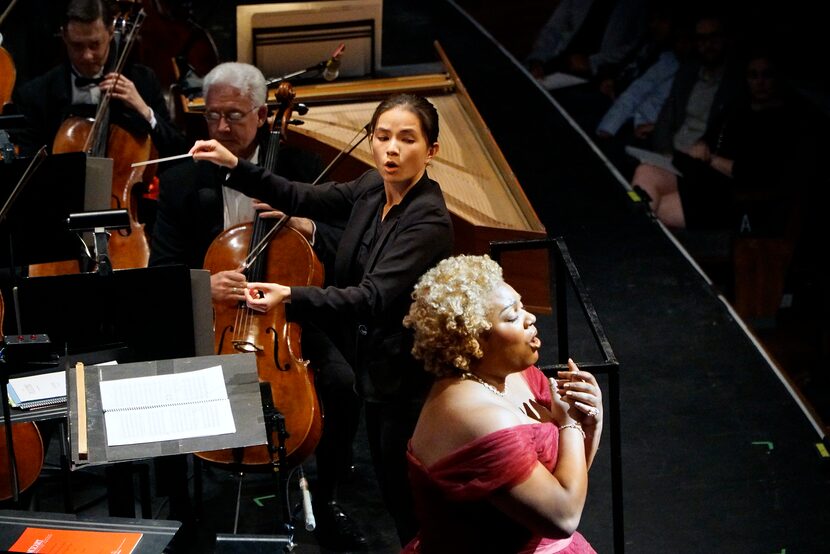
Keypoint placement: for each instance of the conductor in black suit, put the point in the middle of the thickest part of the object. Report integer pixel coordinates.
(195, 206)
(76, 86)
(397, 227)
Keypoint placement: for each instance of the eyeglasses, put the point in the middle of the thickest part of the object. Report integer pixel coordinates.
(232, 117)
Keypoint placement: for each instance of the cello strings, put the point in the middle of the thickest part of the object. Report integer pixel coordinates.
(238, 331)
(263, 243)
(245, 314)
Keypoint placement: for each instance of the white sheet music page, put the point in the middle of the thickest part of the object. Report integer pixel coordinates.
(166, 407)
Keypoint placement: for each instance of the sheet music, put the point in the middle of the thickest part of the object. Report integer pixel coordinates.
(166, 407)
(39, 387)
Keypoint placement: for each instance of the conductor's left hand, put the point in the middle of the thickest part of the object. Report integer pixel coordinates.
(263, 297)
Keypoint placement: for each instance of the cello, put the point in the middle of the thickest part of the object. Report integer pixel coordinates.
(97, 137)
(282, 256)
(27, 445)
(8, 73)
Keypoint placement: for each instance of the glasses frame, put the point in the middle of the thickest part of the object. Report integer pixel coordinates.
(226, 116)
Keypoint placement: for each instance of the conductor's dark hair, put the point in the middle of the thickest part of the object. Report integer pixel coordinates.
(88, 11)
(422, 108)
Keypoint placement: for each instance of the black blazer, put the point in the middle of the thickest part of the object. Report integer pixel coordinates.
(370, 304)
(46, 101)
(189, 214)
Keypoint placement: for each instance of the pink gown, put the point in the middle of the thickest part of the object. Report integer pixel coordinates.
(451, 495)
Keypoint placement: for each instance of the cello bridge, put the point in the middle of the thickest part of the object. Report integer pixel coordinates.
(246, 346)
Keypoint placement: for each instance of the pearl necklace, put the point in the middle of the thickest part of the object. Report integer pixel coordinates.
(485, 384)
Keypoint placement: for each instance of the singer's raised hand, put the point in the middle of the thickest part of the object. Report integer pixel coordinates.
(213, 151)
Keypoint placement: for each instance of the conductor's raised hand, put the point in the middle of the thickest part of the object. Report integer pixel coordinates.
(213, 151)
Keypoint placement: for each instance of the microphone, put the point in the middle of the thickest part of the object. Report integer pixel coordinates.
(332, 69)
(310, 521)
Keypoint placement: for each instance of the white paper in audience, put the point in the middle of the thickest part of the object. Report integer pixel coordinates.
(561, 80)
(653, 158)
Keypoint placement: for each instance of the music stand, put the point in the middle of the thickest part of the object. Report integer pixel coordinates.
(141, 314)
(241, 382)
(12, 121)
(147, 310)
(35, 225)
(155, 534)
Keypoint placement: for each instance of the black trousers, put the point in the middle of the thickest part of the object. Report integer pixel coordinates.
(389, 427)
(334, 381)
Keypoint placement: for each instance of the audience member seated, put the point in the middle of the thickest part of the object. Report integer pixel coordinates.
(662, 20)
(586, 37)
(617, 63)
(500, 455)
(632, 116)
(702, 88)
(744, 172)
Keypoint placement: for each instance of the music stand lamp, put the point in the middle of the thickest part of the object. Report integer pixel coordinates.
(100, 223)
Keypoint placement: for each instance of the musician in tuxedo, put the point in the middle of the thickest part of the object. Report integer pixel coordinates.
(195, 207)
(76, 86)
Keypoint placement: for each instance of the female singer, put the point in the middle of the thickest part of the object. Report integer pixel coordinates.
(397, 227)
(500, 455)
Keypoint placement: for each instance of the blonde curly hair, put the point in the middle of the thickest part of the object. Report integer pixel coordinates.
(449, 313)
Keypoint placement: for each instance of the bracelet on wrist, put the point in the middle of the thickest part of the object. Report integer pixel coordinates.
(576, 426)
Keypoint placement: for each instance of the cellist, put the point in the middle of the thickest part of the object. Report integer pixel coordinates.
(194, 207)
(75, 86)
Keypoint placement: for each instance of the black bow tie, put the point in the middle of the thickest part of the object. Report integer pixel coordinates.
(81, 82)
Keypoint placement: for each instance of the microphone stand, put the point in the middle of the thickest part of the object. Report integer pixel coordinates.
(320, 67)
